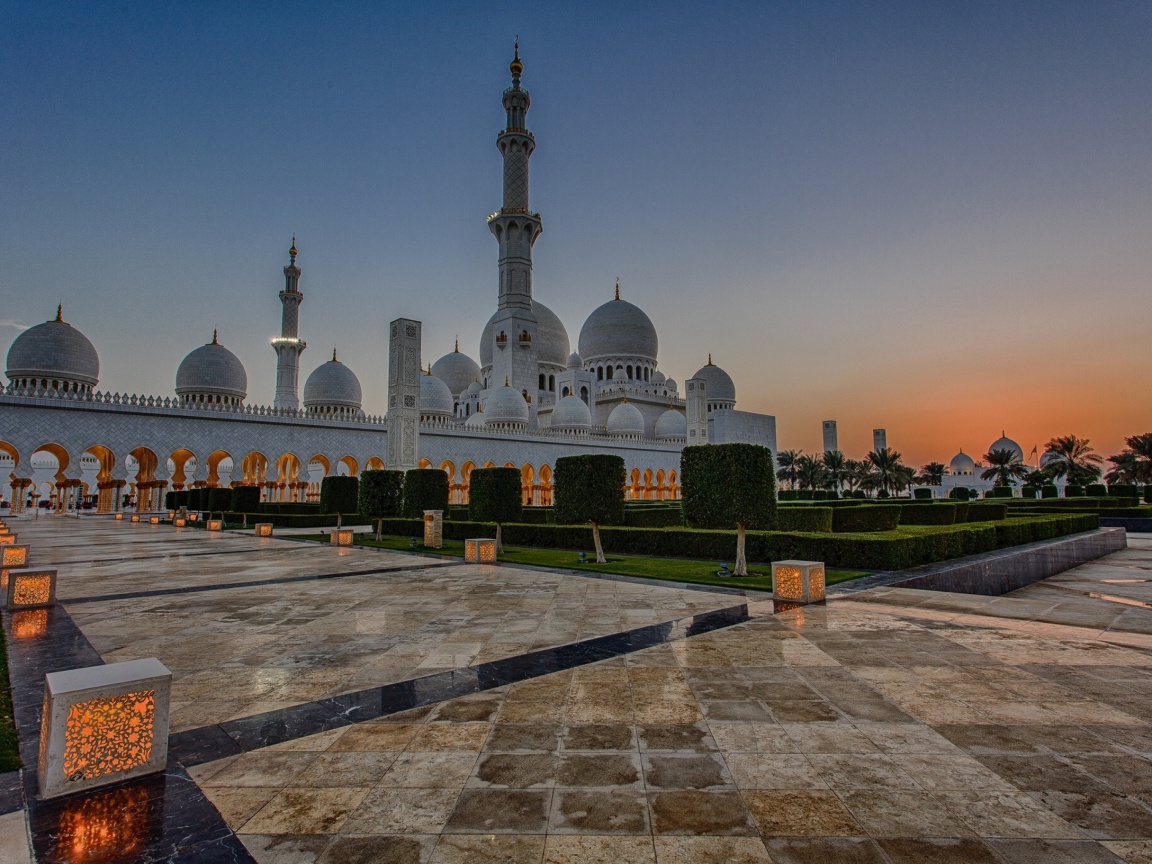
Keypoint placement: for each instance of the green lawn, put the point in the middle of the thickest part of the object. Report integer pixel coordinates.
(9, 749)
(671, 569)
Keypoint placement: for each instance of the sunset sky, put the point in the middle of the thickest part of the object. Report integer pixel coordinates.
(930, 217)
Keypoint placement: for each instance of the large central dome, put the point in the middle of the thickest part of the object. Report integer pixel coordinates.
(53, 352)
(618, 329)
(551, 337)
(212, 374)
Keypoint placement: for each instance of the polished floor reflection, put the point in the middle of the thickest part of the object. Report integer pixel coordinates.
(893, 726)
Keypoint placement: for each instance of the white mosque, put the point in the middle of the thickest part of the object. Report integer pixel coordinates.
(528, 399)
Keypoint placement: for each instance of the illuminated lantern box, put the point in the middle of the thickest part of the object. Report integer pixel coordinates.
(342, 537)
(119, 517)
(798, 581)
(171, 514)
(135, 518)
(214, 524)
(14, 556)
(263, 529)
(31, 588)
(179, 522)
(434, 528)
(192, 517)
(154, 520)
(480, 551)
(7, 539)
(103, 725)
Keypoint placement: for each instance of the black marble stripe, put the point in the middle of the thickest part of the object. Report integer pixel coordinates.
(252, 583)
(208, 743)
(164, 817)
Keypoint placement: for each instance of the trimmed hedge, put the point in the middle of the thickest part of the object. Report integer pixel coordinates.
(879, 517)
(245, 499)
(928, 514)
(380, 495)
(340, 495)
(1029, 492)
(961, 511)
(726, 485)
(1049, 490)
(288, 508)
(589, 488)
(1148, 494)
(960, 493)
(999, 492)
(283, 520)
(1074, 491)
(425, 489)
(496, 495)
(196, 499)
(923, 494)
(219, 500)
(1123, 490)
(811, 519)
(893, 551)
(1097, 490)
(980, 511)
(653, 517)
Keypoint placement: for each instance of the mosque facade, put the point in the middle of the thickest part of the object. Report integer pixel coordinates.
(528, 400)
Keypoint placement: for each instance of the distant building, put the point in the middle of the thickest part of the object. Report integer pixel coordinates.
(830, 441)
(879, 440)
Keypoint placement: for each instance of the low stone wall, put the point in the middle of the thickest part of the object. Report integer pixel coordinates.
(996, 573)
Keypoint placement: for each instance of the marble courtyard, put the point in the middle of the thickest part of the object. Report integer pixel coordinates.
(352, 705)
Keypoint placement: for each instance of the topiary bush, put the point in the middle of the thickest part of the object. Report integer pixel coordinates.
(729, 485)
(495, 495)
(816, 519)
(245, 499)
(960, 493)
(983, 511)
(1049, 490)
(380, 496)
(196, 499)
(1148, 494)
(1097, 490)
(219, 500)
(425, 489)
(1029, 492)
(1123, 490)
(999, 492)
(928, 514)
(879, 517)
(339, 495)
(589, 489)
(923, 494)
(1074, 491)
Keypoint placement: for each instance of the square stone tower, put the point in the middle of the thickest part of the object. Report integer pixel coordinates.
(403, 394)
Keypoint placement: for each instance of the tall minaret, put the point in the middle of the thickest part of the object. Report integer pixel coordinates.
(289, 346)
(516, 228)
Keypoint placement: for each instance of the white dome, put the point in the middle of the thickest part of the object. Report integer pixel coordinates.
(618, 329)
(435, 397)
(457, 371)
(962, 463)
(505, 405)
(54, 351)
(571, 413)
(1049, 458)
(671, 424)
(718, 386)
(333, 385)
(625, 419)
(474, 387)
(575, 361)
(212, 370)
(551, 337)
(475, 421)
(658, 377)
(1005, 443)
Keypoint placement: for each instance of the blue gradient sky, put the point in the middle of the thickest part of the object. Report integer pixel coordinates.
(932, 217)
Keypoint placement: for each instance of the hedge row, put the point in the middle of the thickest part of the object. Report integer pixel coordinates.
(893, 551)
(810, 519)
(848, 520)
(284, 520)
(928, 514)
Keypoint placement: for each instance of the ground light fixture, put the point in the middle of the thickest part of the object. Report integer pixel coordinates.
(15, 555)
(214, 524)
(798, 581)
(480, 550)
(341, 537)
(30, 588)
(263, 529)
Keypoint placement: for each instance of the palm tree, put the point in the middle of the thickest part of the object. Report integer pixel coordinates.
(887, 472)
(856, 472)
(809, 472)
(835, 468)
(1005, 466)
(1071, 457)
(931, 474)
(786, 459)
(905, 477)
(1133, 464)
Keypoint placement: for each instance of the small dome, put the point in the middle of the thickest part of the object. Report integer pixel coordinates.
(670, 383)
(671, 424)
(658, 377)
(333, 386)
(551, 337)
(962, 463)
(211, 371)
(575, 361)
(718, 386)
(54, 351)
(474, 388)
(625, 419)
(435, 397)
(475, 421)
(506, 405)
(1005, 443)
(457, 371)
(618, 329)
(571, 413)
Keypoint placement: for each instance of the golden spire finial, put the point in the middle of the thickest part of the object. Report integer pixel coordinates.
(506, 384)
(617, 287)
(60, 312)
(215, 339)
(516, 66)
(457, 351)
(292, 251)
(709, 358)
(334, 360)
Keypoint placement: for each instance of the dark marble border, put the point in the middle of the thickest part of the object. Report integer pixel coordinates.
(222, 586)
(999, 572)
(163, 817)
(208, 743)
